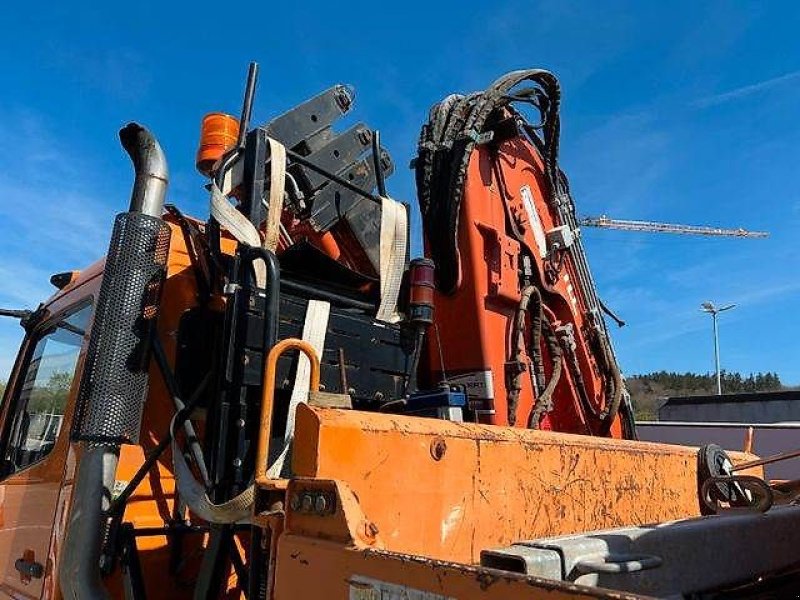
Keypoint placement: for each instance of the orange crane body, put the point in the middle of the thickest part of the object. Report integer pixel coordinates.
(507, 212)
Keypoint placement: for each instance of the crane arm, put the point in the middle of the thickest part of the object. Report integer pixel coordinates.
(656, 227)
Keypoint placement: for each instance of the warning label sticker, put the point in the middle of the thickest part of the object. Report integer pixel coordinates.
(478, 384)
(533, 219)
(366, 588)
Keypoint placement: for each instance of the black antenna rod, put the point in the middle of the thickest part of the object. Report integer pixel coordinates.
(247, 105)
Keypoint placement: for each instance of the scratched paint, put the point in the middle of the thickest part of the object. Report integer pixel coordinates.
(452, 520)
(495, 485)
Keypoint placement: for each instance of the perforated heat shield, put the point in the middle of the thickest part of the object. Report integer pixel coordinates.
(114, 382)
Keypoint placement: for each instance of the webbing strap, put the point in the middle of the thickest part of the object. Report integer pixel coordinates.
(277, 178)
(393, 244)
(315, 329)
(236, 510)
(239, 227)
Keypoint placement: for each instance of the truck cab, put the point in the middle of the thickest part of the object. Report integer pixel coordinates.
(38, 460)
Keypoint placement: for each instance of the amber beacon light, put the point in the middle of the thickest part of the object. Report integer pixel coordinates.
(218, 133)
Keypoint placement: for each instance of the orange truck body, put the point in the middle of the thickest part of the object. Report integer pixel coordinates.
(374, 505)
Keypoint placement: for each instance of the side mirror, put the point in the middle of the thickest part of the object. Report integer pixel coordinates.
(22, 315)
(27, 318)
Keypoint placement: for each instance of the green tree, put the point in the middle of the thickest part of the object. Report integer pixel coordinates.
(649, 391)
(52, 396)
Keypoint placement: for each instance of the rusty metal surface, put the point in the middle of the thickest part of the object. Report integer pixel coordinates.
(449, 490)
(329, 548)
(313, 568)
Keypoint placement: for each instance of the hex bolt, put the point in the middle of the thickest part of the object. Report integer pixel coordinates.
(294, 502)
(372, 529)
(321, 504)
(364, 136)
(438, 448)
(307, 504)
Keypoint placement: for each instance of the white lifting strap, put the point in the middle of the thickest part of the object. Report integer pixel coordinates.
(393, 245)
(236, 510)
(277, 178)
(315, 329)
(238, 225)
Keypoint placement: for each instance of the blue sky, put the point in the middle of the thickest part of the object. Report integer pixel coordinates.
(681, 111)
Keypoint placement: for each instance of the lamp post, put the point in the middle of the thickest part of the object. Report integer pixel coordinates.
(714, 311)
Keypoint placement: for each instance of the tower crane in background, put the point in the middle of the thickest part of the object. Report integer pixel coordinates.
(605, 222)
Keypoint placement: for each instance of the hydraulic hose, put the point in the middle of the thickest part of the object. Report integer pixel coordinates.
(544, 403)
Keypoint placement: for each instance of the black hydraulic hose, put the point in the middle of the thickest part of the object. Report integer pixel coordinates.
(537, 316)
(411, 375)
(516, 363)
(335, 178)
(544, 403)
(456, 125)
(531, 304)
(610, 414)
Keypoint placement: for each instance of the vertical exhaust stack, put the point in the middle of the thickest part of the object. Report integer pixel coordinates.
(115, 373)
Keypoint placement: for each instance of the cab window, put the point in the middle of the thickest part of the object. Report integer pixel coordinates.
(42, 389)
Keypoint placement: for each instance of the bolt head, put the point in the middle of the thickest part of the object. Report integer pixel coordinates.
(321, 504)
(438, 448)
(307, 503)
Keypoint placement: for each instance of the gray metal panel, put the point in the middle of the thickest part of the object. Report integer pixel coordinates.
(768, 439)
(311, 118)
(774, 411)
(666, 559)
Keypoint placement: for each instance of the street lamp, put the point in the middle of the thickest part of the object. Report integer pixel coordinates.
(714, 311)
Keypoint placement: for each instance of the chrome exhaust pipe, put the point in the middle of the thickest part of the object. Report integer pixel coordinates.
(115, 372)
(150, 166)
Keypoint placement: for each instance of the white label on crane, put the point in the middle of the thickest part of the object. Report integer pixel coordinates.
(478, 384)
(533, 219)
(366, 588)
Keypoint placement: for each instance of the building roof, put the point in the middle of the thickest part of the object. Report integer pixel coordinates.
(787, 395)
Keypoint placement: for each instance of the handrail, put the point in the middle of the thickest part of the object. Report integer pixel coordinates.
(268, 397)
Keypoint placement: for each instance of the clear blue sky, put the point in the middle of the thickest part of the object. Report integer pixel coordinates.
(677, 111)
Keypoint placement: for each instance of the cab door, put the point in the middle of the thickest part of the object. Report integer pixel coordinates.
(34, 446)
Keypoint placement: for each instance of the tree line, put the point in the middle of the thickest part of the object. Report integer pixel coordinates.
(649, 390)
